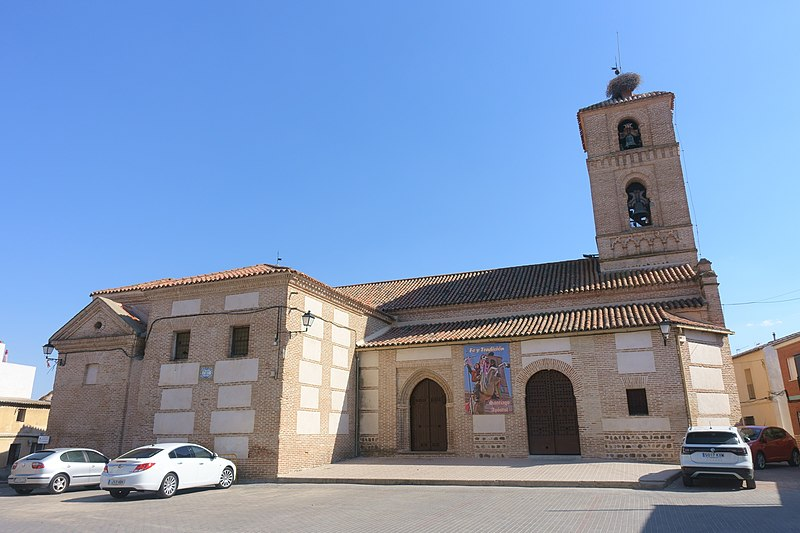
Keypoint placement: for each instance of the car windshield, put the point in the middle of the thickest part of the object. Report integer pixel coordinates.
(750, 434)
(140, 453)
(711, 437)
(38, 456)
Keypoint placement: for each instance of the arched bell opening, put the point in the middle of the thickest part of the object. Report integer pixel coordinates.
(629, 135)
(638, 205)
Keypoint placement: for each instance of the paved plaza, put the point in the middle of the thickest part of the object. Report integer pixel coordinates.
(708, 507)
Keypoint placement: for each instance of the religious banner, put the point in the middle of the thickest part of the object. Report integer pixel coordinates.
(487, 379)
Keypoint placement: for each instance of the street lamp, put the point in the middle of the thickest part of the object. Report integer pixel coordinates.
(48, 349)
(308, 319)
(665, 325)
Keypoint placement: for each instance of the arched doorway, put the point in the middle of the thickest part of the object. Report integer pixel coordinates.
(552, 415)
(428, 417)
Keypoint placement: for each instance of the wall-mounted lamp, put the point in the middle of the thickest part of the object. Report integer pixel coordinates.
(308, 320)
(48, 349)
(665, 325)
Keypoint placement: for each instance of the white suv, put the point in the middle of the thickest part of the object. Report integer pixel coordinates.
(718, 452)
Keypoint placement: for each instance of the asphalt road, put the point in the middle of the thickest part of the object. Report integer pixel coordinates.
(708, 507)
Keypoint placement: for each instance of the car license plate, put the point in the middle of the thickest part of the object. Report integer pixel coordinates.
(710, 455)
(116, 481)
(20, 480)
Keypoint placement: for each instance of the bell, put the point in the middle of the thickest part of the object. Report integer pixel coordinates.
(630, 141)
(640, 215)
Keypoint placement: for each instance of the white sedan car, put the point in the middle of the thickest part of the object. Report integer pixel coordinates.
(164, 468)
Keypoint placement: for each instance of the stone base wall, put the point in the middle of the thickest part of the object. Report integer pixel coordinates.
(645, 447)
(491, 446)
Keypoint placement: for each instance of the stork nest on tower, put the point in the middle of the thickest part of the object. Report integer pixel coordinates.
(623, 85)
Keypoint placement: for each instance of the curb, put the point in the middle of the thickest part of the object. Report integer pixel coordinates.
(650, 482)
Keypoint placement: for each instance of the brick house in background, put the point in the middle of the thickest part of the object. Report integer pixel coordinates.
(766, 377)
(556, 358)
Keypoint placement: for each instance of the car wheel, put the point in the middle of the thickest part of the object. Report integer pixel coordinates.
(688, 481)
(168, 486)
(761, 461)
(58, 484)
(226, 479)
(794, 460)
(119, 493)
(750, 483)
(23, 492)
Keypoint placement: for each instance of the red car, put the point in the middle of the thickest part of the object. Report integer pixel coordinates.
(770, 445)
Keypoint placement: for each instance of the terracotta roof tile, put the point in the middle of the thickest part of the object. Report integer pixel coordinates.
(257, 270)
(572, 321)
(513, 283)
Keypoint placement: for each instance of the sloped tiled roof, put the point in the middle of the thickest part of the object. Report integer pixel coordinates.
(571, 321)
(614, 101)
(256, 270)
(514, 283)
(776, 342)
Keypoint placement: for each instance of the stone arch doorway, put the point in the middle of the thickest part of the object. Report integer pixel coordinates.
(428, 417)
(552, 415)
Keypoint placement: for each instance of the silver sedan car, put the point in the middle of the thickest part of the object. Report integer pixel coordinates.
(56, 469)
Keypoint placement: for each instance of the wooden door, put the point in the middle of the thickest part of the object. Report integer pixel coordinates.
(428, 417)
(552, 415)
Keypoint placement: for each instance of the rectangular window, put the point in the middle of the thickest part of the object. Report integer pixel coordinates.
(791, 363)
(749, 421)
(637, 402)
(751, 390)
(240, 341)
(21, 415)
(794, 367)
(91, 374)
(181, 345)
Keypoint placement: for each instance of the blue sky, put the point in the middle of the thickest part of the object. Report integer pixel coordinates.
(372, 140)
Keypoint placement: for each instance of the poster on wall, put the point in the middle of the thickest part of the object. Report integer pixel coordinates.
(487, 379)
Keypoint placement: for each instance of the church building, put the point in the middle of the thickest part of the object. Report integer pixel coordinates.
(606, 356)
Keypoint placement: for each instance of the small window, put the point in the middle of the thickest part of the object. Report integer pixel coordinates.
(749, 421)
(181, 345)
(240, 341)
(637, 402)
(629, 135)
(21, 415)
(91, 374)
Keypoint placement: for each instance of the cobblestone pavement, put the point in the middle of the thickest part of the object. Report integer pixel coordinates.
(708, 507)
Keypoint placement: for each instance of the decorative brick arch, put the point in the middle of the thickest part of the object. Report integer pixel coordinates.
(408, 387)
(568, 370)
(403, 411)
(550, 364)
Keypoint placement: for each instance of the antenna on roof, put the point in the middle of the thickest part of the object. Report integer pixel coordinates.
(278, 258)
(617, 68)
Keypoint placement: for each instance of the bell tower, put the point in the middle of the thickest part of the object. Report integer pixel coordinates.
(641, 214)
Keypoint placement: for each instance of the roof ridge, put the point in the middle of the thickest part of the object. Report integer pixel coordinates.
(186, 280)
